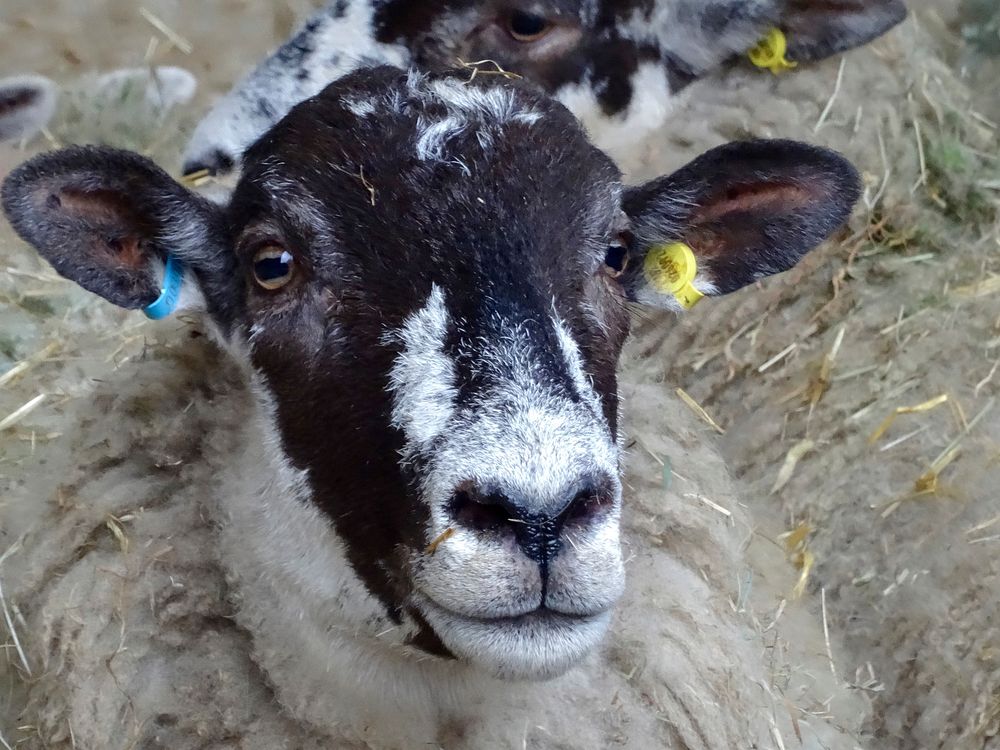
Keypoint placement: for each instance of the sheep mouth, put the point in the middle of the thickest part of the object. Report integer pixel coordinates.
(538, 645)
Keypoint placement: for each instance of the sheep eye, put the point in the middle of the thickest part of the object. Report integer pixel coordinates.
(528, 27)
(616, 258)
(273, 267)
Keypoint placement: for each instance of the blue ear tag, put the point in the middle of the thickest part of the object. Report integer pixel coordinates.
(173, 280)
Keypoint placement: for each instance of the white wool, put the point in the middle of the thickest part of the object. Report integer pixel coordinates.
(136, 636)
(932, 643)
(912, 603)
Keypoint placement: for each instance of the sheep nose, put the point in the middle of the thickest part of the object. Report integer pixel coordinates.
(538, 528)
(217, 163)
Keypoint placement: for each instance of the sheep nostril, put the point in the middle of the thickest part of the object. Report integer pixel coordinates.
(480, 513)
(587, 505)
(536, 527)
(217, 164)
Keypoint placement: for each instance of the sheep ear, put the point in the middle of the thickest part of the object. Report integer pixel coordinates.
(27, 104)
(108, 219)
(735, 215)
(818, 28)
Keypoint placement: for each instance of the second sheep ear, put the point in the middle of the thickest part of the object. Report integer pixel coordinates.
(108, 219)
(733, 216)
(817, 29)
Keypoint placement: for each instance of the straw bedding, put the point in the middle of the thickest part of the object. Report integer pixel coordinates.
(124, 617)
(128, 625)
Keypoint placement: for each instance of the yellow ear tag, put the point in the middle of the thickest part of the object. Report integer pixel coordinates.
(671, 269)
(770, 51)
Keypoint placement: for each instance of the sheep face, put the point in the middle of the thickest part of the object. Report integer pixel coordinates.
(593, 55)
(428, 278)
(457, 323)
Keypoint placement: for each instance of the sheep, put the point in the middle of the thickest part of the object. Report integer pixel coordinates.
(28, 102)
(593, 56)
(410, 471)
(932, 681)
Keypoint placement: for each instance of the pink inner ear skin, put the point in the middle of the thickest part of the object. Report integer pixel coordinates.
(734, 217)
(128, 252)
(761, 199)
(101, 205)
(108, 208)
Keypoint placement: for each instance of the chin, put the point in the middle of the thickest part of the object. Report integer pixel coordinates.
(536, 646)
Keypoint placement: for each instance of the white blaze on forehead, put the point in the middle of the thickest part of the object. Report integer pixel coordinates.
(467, 106)
(360, 107)
(497, 105)
(522, 434)
(433, 136)
(423, 377)
(574, 361)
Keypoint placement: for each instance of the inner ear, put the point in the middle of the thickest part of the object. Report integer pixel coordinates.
(747, 215)
(109, 223)
(745, 210)
(108, 220)
(768, 198)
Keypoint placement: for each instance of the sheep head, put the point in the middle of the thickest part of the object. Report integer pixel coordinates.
(429, 277)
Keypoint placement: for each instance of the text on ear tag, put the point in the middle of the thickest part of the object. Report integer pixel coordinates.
(769, 53)
(671, 269)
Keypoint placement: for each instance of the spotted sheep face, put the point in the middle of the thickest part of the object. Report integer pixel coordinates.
(429, 278)
(617, 64)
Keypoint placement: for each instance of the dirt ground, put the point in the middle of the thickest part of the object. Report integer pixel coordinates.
(899, 527)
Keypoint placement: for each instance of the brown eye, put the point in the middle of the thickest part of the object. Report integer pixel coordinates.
(273, 267)
(616, 258)
(528, 27)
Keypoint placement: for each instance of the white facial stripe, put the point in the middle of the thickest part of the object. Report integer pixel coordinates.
(423, 378)
(574, 361)
(523, 435)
